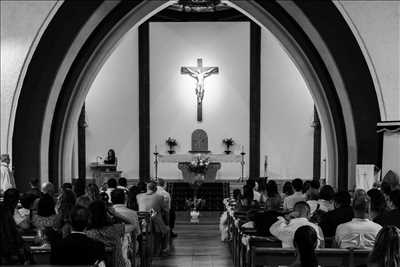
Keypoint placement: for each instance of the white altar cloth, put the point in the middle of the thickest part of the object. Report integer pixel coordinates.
(174, 158)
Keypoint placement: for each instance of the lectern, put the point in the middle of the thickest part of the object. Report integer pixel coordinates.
(102, 172)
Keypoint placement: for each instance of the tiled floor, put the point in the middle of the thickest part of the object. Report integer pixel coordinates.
(197, 245)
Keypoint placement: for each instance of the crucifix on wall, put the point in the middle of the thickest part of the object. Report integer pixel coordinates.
(199, 73)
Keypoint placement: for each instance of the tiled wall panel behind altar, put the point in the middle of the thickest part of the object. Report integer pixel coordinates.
(112, 108)
(173, 98)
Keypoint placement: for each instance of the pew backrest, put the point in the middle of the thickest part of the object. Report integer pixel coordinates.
(328, 257)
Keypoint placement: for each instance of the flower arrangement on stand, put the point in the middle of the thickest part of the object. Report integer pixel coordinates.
(199, 164)
(228, 142)
(171, 142)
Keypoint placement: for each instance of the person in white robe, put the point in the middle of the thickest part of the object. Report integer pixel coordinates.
(7, 177)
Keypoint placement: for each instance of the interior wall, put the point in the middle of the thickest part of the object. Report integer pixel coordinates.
(172, 95)
(112, 108)
(287, 112)
(20, 24)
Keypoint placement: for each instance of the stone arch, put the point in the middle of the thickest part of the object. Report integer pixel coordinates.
(63, 66)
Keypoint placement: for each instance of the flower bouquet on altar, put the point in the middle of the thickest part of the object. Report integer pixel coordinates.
(199, 164)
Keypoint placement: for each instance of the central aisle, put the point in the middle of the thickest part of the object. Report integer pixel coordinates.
(197, 245)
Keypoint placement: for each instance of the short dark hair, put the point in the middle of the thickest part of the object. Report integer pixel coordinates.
(236, 193)
(272, 188)
(395, 197)
(46, 206)
(297, 184)
(118, 196)
(112, 183)
(251, 183)
(386, 188)
(327, 192)
(343, 198)
(161, 182)
(66, 186)
(287, 188)
(123, 182)
(315, 184)
(378, 201)
(79, 218)
(98, 214)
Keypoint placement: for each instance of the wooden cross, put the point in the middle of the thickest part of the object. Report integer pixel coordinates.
(199, 73)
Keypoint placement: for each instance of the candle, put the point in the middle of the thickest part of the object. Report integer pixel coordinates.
(156, 148)
(242, 148)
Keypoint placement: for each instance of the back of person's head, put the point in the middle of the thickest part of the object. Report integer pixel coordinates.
(34, 182)
(361, 206)
(66, 186)
(262, 185)
(305, 241)
(378, 201)
(272, 188)
(11, 198)
(386, 251)
(327, 193)
(248, 192)
(360, 193)
(123, 182)
(112, 183)
(297, 184)
(118, 196)
(93, 191)
(46, 206)
(79, 218)
(287, 188)
(395, 198)
(27, 200)
(342, 199)
(67, 202)
(236, 193)
(103, 196)
(48, 188)
(151, 186)
(79, 187)
(83, 201)
(161, 182)
(303, 209)
(98, 214)
(315, 184)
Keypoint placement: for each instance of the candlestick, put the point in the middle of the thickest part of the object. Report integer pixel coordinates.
(155, 148)
(242, 149)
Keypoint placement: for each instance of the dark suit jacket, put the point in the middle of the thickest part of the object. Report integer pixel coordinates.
(77, 249)
(331, 219)
(389, 218)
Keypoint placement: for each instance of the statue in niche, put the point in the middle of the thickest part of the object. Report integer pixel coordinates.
(199, 142)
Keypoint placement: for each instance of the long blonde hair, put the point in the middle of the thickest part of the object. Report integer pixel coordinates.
(386, 250)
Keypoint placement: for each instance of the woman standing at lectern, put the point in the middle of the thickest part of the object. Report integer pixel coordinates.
(111, 159)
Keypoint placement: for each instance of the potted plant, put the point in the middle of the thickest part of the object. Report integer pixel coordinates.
(171, 142)
(228, 142)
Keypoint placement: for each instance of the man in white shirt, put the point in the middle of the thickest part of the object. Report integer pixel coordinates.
(285, 228)
(290, 201)
(161, 190)
(6, 176)
(359, 232)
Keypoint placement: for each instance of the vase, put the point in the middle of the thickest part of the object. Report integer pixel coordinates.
(194, 216)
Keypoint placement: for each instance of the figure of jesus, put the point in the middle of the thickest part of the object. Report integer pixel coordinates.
(199, 73)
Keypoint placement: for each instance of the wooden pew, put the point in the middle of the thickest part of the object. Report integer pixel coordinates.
(327, 257)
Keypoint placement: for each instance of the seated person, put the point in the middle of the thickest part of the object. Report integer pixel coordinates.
(45, 219)
(326, 195)
(392, 217)
(360, 232)
(342, 213)
(11, 198)
(290, 201)
(35, 187)
(123, 184)
(386, 251)
(77, 248)
(118, 200)
(101, 228)
(378, 205)
(305, 241)
(274, 200)
(285, 227)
